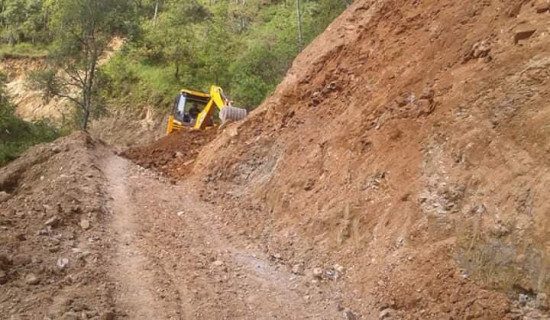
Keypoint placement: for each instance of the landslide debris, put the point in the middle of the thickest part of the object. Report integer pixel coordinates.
(52, 212)
(410, 143)
(173, 155)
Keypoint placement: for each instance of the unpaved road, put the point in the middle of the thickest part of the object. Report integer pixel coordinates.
(173, 259)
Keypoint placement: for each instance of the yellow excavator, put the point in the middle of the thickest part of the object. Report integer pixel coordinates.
(195, 109)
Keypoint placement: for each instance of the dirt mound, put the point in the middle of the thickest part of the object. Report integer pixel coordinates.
(410, 134)
(173, 155)
(51, 215)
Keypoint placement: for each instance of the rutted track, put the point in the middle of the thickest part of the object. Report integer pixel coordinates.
(174, 260)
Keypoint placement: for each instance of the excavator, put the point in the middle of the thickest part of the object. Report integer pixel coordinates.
(195, 109)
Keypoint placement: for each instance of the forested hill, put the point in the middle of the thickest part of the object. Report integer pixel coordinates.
(245, 46)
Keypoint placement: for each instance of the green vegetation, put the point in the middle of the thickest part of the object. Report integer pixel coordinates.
(17, 135)
(23, 50)
(244, 46)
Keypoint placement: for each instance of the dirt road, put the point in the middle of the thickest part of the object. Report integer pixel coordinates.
(175, 260)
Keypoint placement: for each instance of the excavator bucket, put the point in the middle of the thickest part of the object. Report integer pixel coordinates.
(229, 113)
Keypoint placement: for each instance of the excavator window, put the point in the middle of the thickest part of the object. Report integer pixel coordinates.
(187, 107)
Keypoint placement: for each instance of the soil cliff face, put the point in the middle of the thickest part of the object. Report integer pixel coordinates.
(409, 140)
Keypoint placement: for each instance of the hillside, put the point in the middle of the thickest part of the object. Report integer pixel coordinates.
(410, 143)
(399, 171)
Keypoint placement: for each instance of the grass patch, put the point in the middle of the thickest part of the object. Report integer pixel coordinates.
(18, 135)
(23, 50)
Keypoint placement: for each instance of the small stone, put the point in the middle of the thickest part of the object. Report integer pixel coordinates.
(318, 273)
(349, 314)
(56, 149)
(70, 316)
(217, 263)
(542, 301)
(523, 299)
(338, 268)
(180, 213)
(52, 222)
(3, 277)
(4, 196)
(32, 279)
(542, 6)
(298, 268)
(62, 263)
(385, 314)
(109, 315)
(523, 33)
(515, 9)
(85, 224)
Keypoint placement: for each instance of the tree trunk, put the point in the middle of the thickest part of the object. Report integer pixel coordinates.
(156, 12)
(300, 36)
(85, 120)
(177, 75)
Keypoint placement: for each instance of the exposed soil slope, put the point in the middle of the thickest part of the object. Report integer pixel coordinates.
(30, 103)
(410, 143)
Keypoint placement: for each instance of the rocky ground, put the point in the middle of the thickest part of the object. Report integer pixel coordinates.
(400, 171)
(87, 234)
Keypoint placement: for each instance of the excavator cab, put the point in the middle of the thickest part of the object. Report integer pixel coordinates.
(188, 105)
(195, 109)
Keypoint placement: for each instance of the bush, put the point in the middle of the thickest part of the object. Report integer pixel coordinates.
(23, 50)
(17, 135)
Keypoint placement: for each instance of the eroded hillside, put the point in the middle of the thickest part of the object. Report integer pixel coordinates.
(410, 143)
(400, 171)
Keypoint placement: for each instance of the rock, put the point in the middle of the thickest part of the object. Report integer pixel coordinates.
(318, 273)
(70, 316)
(523, 33)
(5, 262)
(62, 263)
(217, 263)
(542, 6)
(349, 315)
(56, 149)
(3, 277)
(523, 299)
(180, 213)
(32, 279)
(386, 314)
(85, 224)
(542, 301)
(298, 268)
(515, 9)
(4, 196)
(109, 315)
(52, 222)
(338, 268)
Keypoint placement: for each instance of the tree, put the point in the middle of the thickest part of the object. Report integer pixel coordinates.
(83, 30)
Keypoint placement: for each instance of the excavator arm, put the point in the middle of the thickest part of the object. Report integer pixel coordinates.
(217, 100)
